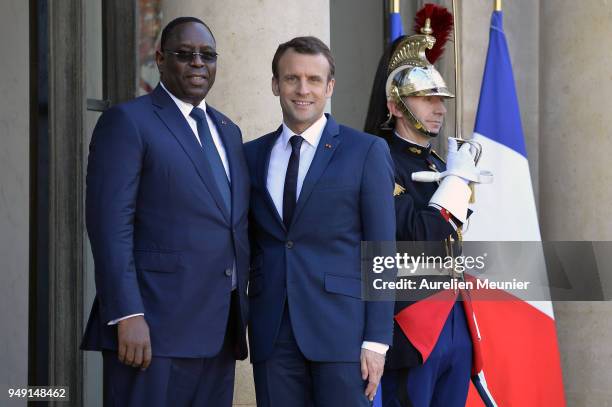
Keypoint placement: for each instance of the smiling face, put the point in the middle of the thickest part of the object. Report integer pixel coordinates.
(303, 86)
(189, 81)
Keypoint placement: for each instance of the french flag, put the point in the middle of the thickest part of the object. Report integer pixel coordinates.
(518, 338)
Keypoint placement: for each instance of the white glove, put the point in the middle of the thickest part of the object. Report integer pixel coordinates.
(453, 194)
(461, 166)
(460, 161)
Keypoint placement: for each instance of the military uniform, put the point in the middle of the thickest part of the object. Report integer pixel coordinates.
(442, 333)
(416, 220)
(435, 347)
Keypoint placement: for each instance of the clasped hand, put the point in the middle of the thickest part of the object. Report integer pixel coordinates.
(460, 161)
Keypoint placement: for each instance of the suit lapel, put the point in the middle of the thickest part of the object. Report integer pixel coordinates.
(325, 150)
(262, 173)
(172, 117)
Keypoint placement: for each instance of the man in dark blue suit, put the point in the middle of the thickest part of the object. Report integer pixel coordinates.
(167, 206)
(318, 190)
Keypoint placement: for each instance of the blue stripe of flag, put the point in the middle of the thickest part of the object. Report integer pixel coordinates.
(395, 26)
(498, 116)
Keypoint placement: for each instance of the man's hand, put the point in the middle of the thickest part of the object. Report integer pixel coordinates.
(134, 342)
(372, 366)
(460, 161)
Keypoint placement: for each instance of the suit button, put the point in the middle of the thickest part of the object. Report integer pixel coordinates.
(289, 244)
(228, 272)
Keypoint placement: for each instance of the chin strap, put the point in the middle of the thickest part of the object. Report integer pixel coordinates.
(412, 119)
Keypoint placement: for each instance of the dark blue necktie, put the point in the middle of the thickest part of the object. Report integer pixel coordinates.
(290, 191)
(212, 156)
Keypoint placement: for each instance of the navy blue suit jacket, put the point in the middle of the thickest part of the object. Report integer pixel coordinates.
(162, 240)
(346, 198)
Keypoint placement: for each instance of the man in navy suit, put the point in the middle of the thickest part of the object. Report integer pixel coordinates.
(167, 208)
(318, 190)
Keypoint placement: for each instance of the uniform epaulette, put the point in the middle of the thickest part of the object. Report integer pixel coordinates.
(398, 190)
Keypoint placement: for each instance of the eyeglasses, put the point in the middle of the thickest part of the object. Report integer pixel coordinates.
(187, 56)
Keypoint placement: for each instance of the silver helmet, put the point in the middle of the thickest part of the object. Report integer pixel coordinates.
(411, 74)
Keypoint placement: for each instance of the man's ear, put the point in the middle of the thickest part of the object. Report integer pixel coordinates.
(275, 88)
(330, 88)
(159, 60)
(395, 111)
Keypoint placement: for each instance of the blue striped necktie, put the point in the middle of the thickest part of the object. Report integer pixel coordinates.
(212, 156)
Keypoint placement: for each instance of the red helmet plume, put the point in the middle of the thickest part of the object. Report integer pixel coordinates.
(441, 24)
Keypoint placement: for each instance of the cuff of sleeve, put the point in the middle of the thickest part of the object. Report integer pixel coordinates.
(116, 321)
(446, 215)
(453, 195)
(375, 347)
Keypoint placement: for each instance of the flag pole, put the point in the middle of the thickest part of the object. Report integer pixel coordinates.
(395, 6)
(458, 92)
(498, 5)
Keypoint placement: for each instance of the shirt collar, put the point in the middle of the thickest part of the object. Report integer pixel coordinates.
(311, 135)
(184, 107)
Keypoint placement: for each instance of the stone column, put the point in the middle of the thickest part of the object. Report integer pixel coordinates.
(14, 197)
(575, 191)
(247, 35)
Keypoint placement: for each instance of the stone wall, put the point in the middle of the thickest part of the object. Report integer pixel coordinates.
(14, 196)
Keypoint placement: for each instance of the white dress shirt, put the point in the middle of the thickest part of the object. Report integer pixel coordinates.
(279, 160)
(186, 109)
(277, 169)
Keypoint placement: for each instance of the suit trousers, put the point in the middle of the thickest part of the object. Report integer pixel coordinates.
(443, 380)
(287, 378)
(180, 382)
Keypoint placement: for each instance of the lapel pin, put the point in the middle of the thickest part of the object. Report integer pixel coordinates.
(327, 145)
(223, 122)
